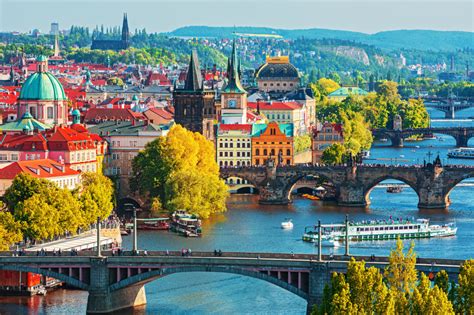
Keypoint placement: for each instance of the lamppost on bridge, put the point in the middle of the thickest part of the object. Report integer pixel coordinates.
(131, 207)
(320, 247)
(347, 235)
(99, 253)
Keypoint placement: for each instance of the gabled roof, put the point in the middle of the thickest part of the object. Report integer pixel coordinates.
(44, 168)
(24, 142)
(26, 122)
(244, 128)
(259, 129)
(103, 114)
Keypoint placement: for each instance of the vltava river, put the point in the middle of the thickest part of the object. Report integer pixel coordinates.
(248, 226)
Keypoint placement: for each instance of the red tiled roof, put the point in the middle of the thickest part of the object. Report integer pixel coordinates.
(44, 168)
(22, 142)
(275, 105)
(162, 78)
(241, 127)
(98, 114)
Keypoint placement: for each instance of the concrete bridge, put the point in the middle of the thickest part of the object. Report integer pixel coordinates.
(353, 183)
(117, 282)
(448, 105)
(460, 134)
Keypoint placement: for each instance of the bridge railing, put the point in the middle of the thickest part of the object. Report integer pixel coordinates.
(225, 254)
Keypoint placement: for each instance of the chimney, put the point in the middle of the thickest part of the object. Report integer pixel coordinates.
(258, 106)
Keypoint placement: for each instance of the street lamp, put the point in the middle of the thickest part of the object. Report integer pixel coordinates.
(131, 207)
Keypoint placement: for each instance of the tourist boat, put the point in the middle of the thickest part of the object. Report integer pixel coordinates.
(429, 136)
(461, 153)
(185, 224)
(383, 140)
(287, 224)
(311, 197)
(387, 230)
(394, 189)
(41, 291)
(311, 235)
(153, 224)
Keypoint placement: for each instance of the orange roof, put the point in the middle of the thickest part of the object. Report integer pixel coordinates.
(44, 168)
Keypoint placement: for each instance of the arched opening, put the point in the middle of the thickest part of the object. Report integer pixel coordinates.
(230, 285)
(126, 205)
(456, 195)
(388, 191)
(239, 185)
(314, 187)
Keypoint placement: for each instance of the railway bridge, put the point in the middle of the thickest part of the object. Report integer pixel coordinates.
(117, 282)
(353, 183)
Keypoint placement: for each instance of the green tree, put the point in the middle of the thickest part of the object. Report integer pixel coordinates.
(357, 136)
(302, 143)
(401, 272)
(442, 281)
(333, 154)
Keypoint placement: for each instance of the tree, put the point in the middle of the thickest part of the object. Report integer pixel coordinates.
(401, 272)
(442, 281)
(357, 136)
(96, 197)
(115, 81)
(464, 303)
(180, 170)
(427, 300)
(328, 85)
(333, 154)
(10, 230)
(302, 143)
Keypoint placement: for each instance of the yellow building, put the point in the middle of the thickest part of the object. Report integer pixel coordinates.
(234, 145)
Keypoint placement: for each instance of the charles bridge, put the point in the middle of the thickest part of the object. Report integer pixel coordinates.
(117, 282)
(353, 183)
(460, 134)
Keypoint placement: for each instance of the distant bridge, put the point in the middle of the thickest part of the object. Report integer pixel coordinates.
(353, 183)
(460, 134)
(448, 105)
(117, 282)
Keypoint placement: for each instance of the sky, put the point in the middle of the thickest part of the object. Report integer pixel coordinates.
(368, 16)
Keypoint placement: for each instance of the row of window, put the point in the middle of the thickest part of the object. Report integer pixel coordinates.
(83, 156)
(231, 154)
(329, 137)
(281, 143)
(84, 167)
(231, 145)
(235, 139)
(285, 162)
(237, 181)
(278, 84)
(130, 156)
(5, 157)
(66, 182)
(272, 152)
(132, 143)
(231, 163)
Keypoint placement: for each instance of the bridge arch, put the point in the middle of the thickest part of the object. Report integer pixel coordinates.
(228, 174)
(292, 182)
(371, 185)
(48, 273)
(454, 183)
(161, 272)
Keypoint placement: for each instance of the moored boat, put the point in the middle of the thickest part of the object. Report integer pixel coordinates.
(185, 224)
(154, 224)
(310, 197)
(394, 189)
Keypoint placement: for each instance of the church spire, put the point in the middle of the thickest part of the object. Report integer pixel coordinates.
(56, 46)
(194, 80)
(125, 31)
(233, 73)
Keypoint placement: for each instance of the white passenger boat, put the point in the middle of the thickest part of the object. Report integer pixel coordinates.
(383, 230)
(461, 153)
(185, 224)
(287, 224)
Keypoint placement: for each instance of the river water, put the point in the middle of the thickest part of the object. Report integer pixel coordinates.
(248, 226)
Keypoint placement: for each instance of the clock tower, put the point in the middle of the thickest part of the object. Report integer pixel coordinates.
(233, 95)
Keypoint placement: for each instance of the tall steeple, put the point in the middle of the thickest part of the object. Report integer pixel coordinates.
(233, 83)
(194, 81)
(56, 46)
(125, 31)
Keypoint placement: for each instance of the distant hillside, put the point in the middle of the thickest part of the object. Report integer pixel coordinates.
(408, 39)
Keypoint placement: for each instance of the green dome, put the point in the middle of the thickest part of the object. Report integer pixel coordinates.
(42, 86)
(41, 58)
(76, 112)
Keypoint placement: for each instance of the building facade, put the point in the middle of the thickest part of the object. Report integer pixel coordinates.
(272, 140)
(277, 75)
(323, 137)
(234, 145)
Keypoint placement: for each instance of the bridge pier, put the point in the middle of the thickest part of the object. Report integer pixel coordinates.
(397, 141)
(273, 194)
(461, 140)
(450, 113)
(319, 277)
(352, 196)
(101, 300)
(432, 198)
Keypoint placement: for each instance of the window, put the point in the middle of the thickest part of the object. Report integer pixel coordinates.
(257, 162)
(272, 152)
(288, 162)
(50, 112)
(220, 145)
(3, 157)
(265, 152)
(257, 152)
(115, 156)
(220, 153)
(288, 152)
(14, 157)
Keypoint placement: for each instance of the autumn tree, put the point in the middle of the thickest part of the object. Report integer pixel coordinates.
(95, 196)
(10, 230)
(181, 171)
(464, 303)
(425, 299)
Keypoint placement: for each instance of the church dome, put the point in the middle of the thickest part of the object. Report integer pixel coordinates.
(42, 85)
(277, 70)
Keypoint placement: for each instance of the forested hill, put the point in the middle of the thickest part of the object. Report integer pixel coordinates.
(408, 39)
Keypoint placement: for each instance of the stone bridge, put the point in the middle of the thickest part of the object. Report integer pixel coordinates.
(448, 105)
(460, 134)
(117, 282)
(353, 183)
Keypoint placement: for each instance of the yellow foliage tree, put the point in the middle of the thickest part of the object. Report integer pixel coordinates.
(10, 230)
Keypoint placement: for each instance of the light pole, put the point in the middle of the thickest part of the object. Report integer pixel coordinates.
(320, 247)
(131, 207)
(99, 254)
(347, 235)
